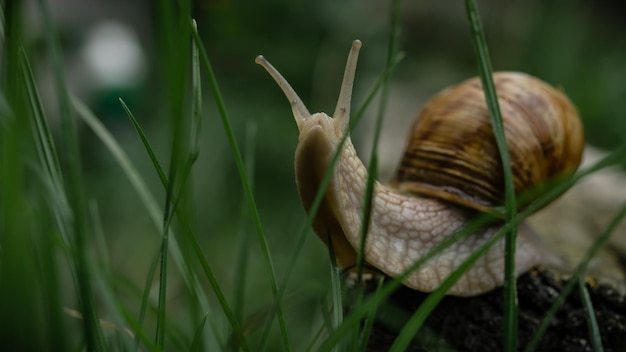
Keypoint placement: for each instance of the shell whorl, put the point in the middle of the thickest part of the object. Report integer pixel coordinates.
(451, 153)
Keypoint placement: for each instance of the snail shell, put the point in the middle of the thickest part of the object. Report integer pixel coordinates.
(452, 153)
(437, 190)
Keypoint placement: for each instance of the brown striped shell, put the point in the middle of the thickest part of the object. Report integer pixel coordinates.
(452, 154)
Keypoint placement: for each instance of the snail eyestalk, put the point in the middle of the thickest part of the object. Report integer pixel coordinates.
(342, 111)
(300, 112)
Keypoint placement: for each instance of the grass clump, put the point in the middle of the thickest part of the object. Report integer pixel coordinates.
(60, 285)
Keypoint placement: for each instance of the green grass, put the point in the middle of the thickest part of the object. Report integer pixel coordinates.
(485, 71)
(72, 295)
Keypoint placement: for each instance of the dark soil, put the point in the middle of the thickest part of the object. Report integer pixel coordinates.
(476, 323)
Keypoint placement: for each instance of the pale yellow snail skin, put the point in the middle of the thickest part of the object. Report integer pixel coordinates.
(403, 227)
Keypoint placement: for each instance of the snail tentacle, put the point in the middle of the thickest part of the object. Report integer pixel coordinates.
(342, 111)
(300, 112)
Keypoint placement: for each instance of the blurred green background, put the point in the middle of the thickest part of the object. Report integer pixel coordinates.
(575, 45)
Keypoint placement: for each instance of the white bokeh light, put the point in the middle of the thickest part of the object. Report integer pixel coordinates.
(113, 55)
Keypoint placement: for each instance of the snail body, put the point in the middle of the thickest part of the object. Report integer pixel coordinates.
(437, 188)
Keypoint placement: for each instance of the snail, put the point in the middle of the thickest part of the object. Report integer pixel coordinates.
(451, 171)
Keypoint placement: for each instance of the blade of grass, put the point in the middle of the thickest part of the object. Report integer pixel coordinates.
(356, 332)
(173, 20)
(370, 318)
(137, 330)
(46, 152)
(75, 188)
(592, 323)
(49, 271)
(165, 231)
(184, 158)
(335, 285)
(196, 103)
(196, 343)
(145, 297)
(192, 157)
(354, 120)
(316, 337)
(240, 273)
(183, 191)
(326, 314)
(41, 131)
(613, 159)
(145, 142)
(484, 68)
(225, 119)
(372, 169)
